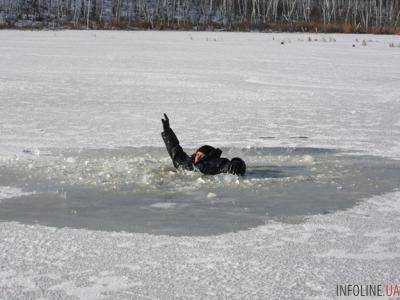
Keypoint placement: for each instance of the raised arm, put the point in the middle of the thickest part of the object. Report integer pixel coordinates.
(179, 158)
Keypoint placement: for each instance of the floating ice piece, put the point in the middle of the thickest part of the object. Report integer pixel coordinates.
(211, 195)
(307, 159)
(70, 160)
(163, 205)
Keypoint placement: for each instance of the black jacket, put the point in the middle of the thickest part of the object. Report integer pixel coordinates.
(211, 164)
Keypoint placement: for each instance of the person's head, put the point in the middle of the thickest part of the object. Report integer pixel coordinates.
(202, 152)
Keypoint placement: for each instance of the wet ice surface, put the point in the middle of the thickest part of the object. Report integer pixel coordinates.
(96, 90)
(137, 189)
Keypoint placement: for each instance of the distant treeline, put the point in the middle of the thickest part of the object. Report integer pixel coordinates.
(377, 16)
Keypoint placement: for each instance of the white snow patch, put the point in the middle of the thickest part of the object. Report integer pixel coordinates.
(12, 192)
(96, 287)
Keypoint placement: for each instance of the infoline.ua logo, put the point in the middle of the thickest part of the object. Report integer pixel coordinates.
(368, 290)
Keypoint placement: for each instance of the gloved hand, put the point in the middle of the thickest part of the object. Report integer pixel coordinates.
(237, 167)
(165, 123)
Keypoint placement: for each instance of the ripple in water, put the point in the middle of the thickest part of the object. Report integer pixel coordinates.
(137, 189)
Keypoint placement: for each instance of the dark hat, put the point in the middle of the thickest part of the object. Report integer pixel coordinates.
(206, 149)
(210, 151)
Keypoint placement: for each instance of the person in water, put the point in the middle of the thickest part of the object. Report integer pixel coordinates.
(206, 159)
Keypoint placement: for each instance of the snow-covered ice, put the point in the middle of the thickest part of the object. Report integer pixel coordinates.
(73, 92)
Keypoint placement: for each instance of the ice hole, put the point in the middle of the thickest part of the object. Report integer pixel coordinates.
(138, 190)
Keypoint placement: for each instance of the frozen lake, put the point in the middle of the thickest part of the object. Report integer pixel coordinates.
(84, 178)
